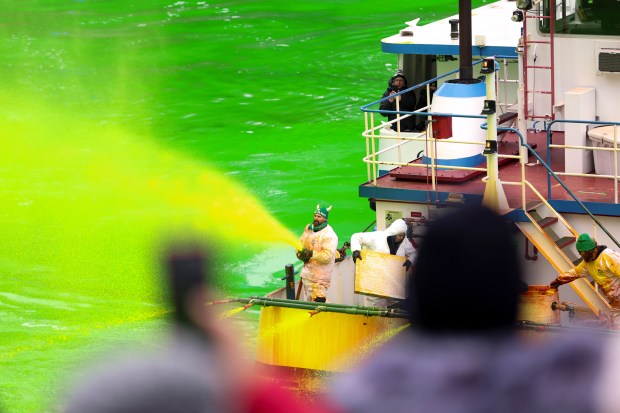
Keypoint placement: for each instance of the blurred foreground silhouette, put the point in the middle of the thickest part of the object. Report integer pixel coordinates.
(463, 353)
(199, 367)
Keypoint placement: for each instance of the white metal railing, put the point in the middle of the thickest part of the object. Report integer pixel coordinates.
(588, 292)
(373, 135)
(373, 156)
(374, 139)
(550, 208)
(373, 161)
(614, 151)
(503, 87)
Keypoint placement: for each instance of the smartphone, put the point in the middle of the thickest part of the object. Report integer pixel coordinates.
(187, 276)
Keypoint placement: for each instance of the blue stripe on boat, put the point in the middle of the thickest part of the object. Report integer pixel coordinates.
(470, 161)
(462, 90)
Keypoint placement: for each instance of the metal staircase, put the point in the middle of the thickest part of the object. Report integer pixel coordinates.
(551, 235)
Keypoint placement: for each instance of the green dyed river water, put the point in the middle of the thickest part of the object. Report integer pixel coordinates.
(127, 123)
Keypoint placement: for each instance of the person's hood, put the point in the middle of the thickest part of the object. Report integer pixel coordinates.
(398, 227)
(398, 74)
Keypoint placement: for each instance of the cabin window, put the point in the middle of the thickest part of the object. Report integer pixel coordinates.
(589, 17)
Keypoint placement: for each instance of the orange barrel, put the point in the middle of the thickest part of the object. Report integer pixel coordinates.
(535, 305)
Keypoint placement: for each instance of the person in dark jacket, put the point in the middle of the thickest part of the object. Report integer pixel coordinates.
(406, 103)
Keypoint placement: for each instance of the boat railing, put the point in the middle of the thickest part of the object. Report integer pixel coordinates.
(372, 159)
(372, 132)
(373, 135)
(615, 149)
(503, 103)
(430, 144)
(504, 86)
(375, 157)
(372, 153)
(555, 175)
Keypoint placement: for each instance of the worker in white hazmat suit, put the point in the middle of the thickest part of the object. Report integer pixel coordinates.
(391, 241)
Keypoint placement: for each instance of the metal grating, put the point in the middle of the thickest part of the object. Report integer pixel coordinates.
(609, 62)
(381, 275)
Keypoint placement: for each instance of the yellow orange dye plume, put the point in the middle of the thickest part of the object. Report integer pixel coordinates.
(79, 173)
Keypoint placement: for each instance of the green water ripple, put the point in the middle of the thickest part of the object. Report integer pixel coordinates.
(265, 91)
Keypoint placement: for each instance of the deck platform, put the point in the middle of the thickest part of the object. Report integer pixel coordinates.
(404, 184)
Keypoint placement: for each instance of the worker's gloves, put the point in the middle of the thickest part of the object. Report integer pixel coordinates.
(407, 264)
(341, 253)
(340, 256)
(356, 255)
(304, 255)
(555, 283)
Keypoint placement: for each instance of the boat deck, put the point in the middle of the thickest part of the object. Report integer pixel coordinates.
(413, 184)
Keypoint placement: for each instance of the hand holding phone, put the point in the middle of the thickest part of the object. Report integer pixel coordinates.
(186, 271)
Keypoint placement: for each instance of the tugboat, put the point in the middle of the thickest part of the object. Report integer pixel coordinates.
(524, 120)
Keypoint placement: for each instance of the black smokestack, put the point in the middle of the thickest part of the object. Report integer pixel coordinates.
(466, 69)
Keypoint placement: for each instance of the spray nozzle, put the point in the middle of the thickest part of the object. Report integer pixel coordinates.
(316, 311)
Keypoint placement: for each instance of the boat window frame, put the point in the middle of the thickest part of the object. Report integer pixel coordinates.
(580, 17)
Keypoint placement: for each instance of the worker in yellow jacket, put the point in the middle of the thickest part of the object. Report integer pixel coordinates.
(603, 265)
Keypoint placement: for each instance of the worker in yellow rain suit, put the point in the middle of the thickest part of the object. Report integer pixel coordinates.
(603, 264)
(319, 243)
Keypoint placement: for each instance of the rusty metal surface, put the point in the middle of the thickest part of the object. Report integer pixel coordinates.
(535, 305)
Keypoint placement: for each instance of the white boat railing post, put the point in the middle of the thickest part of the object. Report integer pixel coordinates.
(367, 131)
(494, 196)
(615, 163)
(398, 127)
(521, 117)
(433, 155)
(373, 153)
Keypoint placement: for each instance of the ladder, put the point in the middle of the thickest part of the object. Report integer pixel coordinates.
(551, 235)
(547, 18)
